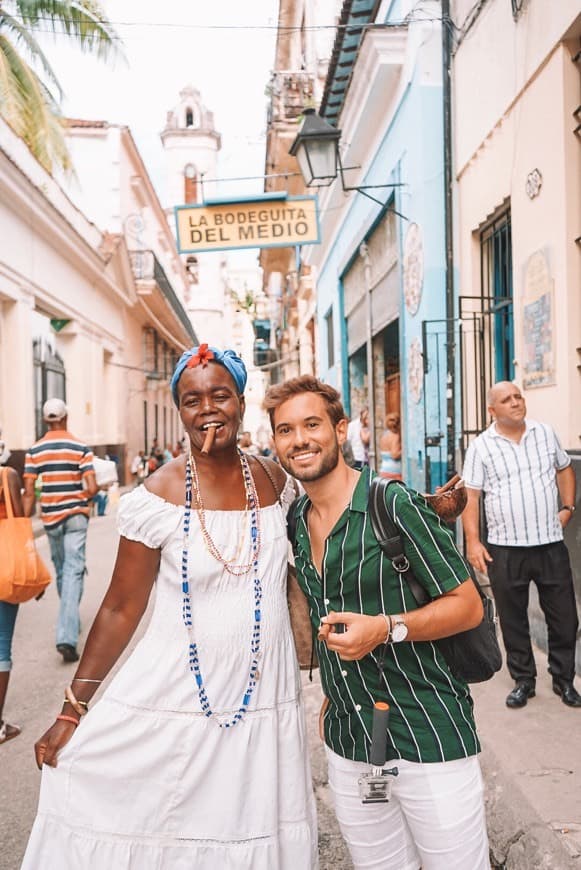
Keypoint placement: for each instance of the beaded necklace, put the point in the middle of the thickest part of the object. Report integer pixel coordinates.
(254, 507)
(251, 496)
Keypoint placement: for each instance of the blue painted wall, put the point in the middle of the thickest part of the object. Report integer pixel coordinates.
(411, 151)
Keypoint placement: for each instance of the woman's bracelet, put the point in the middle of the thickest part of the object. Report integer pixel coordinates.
(80, 707)
(63, 718)
(84, 680)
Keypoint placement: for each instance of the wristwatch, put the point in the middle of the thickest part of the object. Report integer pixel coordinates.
(399, 630)
(569, 507)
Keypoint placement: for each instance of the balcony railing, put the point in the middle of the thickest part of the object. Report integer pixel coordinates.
(146, 267)
(290, 92)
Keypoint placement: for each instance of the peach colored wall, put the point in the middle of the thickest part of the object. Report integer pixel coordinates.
(498, 142)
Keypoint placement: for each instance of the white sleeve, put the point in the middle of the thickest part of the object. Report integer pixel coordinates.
(473, 471)
(562, 458)
(146, 518)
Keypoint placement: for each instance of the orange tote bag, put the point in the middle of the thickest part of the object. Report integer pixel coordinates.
(23, 574)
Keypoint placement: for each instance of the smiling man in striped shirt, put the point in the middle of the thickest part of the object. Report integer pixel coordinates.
(435, 818)
(68, 483)
(521, 468)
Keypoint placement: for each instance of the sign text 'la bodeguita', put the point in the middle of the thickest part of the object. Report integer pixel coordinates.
(247, 224)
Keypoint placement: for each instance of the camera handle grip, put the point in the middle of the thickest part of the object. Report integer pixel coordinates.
(379, 734)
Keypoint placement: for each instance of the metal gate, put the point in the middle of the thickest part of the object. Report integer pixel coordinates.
(434, 352)
(477, 335)
(486, 341)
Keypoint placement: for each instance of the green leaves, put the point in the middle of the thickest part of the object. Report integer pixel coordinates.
(30, 93)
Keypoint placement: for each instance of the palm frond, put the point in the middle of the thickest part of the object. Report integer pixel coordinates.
(29, 103)
(85, 20)
(14, 73)
(30, 109)
(22, 36)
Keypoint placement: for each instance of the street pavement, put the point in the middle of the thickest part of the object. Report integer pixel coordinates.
(531, 758)
(35, 696)
(531, 761)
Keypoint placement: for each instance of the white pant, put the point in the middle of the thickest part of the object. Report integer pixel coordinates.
(435, 818)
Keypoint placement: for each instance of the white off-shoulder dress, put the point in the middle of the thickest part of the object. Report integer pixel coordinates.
(147, 782)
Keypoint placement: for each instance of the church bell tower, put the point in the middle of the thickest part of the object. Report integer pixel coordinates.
(191, 144)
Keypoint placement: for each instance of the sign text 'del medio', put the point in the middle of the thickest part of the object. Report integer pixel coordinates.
(252, 224)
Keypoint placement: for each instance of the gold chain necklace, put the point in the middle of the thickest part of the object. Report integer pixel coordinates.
(252, 506)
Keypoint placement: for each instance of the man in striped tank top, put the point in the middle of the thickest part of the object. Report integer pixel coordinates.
(522, 470)
(68, 484)
(435, 817)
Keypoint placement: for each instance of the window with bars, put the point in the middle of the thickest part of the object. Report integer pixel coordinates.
(497, 293)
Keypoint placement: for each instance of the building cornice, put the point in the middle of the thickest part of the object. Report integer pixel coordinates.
(30, 191)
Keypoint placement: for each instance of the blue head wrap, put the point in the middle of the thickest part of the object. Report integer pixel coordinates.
(201, 356)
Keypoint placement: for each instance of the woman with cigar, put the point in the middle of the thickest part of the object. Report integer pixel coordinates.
(195, 755)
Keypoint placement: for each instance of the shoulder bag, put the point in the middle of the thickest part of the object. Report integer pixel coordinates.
(474, 655)
(23, 574)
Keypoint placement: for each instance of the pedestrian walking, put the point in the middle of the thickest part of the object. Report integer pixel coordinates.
(522, 471)
(365, 613)
(358, 435)
(139, 468)
(8, 612)
(196, 755)
(68, 484)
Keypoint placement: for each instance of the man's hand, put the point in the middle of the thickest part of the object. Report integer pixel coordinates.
(564, 517)
(361, 635)
(478, 556)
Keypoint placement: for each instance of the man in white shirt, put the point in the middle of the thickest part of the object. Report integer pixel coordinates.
(358, 437)
(522, 469)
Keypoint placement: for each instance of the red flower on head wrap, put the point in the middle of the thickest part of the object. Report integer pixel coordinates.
(202, 357)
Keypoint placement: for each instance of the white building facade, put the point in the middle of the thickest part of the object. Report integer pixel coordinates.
(88, 311)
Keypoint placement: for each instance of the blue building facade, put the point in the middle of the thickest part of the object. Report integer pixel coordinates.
(381, 266)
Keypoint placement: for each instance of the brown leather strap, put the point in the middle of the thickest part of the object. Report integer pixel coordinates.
(264, 464)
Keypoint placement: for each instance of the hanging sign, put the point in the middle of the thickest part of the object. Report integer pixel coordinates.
(261, 222)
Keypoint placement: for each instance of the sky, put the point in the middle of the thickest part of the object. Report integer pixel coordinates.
(224, 48)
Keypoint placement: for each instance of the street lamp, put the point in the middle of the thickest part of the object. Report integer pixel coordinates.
(316, 148)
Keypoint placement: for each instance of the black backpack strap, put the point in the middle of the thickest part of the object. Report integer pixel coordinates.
(389, 537)
(291, 519)
(384, 528)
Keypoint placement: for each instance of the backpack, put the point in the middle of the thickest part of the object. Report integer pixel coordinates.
(472, 656)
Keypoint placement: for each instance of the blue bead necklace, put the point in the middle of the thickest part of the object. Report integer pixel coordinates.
(254, 507)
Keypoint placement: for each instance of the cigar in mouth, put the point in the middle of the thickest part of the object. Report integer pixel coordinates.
(450, 484)
(209, 439)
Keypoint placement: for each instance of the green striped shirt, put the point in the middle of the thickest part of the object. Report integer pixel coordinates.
(431, 712)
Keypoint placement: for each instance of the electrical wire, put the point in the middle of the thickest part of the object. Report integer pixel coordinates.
(347, 28)
(275, 27)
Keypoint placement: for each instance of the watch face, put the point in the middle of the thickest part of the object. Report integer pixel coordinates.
(399, 632)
